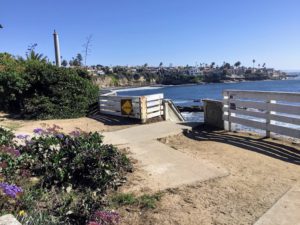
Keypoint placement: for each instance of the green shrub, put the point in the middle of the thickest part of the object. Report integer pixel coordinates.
(44, 91)
(57, 92)
(6, 136)
(79, 159)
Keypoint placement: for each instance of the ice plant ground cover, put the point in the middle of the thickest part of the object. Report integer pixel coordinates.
(58, 178)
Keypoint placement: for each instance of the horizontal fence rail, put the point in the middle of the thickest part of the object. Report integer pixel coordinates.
(273, 112)
(138, 107)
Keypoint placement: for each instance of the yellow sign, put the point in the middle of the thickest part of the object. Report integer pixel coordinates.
(126, 106)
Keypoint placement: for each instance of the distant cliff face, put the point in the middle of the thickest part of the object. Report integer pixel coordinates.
(111, 81)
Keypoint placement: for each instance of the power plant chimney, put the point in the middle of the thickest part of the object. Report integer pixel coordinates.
(57, 49)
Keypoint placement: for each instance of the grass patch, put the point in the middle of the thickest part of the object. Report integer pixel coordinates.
(123, 199)
(149, 201)
(144, 201)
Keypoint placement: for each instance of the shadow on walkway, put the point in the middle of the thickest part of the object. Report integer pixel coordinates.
(251, 143)
(114, 120)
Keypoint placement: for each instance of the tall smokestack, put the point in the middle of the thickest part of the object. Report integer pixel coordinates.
(57, 49)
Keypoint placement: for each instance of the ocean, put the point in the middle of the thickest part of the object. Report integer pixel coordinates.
(190, 95)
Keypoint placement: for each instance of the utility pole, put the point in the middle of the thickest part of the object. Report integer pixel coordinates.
(57, 49)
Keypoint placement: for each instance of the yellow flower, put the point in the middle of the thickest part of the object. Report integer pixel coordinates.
(22, 213)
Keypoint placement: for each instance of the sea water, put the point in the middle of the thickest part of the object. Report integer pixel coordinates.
(191, 95)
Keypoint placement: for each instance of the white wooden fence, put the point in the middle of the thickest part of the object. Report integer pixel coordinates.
(276, 112)
(143, 107)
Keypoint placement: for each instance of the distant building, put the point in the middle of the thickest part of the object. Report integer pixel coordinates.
(194, 71)
(100, 72)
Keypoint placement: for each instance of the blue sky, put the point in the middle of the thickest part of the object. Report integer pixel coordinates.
(132, 32)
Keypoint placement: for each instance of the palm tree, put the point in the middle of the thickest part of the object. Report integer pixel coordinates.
(31, 55)
(161, 64)
(253, 62)
(36, 56)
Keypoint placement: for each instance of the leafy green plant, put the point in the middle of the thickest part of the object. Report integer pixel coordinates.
(6, 136)
(123, 199)
(79, 159)
(38, 218)
(37, 89)
(149, 201)
(64, 176)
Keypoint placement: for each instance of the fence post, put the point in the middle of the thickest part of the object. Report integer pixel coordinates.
(143, 108)
(268, 120)
(166, 112)
(226, 98)
(99, 101)
(268, 133)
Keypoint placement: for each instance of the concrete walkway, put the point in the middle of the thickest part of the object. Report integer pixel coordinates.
(165, 167)
(284, 212)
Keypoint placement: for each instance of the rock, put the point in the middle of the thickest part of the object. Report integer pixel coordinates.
(9, 220)
(193, 108)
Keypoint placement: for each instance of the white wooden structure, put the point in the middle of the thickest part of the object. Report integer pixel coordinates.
(143, 107)
(273, 112)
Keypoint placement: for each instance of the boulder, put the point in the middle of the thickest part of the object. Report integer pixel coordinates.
(9, 220)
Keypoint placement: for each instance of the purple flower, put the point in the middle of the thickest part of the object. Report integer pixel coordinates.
(60, 136)
(11, 190)
(21, 136)
(17, 152)
(94, 223)
(107, 217)
(38, 131)
(75, 133)
(11, 150)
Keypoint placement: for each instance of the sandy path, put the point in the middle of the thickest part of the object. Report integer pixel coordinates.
(163, 167)
(100, 124)
(255, 183)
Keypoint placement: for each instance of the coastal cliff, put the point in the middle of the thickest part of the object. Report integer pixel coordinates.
(144, 76)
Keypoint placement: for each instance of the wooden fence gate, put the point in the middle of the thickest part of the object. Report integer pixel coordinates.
(139, 107)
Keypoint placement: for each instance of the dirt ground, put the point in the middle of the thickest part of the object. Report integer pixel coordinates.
(261, 171)
(98, 123)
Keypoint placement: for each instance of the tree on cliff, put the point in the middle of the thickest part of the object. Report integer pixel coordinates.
(237, 64)
(64, 63)
(76, 61)
(227, 66)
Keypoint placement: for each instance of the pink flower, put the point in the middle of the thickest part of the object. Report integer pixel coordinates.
(93, 223)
